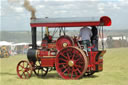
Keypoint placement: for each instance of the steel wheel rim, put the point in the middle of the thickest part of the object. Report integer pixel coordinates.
(24, 69)
(75, 70)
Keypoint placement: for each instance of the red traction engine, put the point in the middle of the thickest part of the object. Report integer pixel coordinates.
(66, 54)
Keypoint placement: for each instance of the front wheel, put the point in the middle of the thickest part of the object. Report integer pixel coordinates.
(24, 69)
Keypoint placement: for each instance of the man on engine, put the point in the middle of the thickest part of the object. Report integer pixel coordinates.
(85, 36)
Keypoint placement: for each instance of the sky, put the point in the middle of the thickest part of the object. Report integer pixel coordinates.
(14, 17)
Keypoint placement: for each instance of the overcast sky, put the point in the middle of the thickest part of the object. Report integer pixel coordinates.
(14, 16)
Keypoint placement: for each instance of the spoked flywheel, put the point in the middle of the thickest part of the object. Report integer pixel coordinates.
(40, 71)
(71, 63)
(63, 42)
(24, 69)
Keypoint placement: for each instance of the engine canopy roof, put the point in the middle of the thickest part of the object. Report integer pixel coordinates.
(71, 22)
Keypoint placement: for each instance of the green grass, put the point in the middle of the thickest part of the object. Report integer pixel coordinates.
(115, 72)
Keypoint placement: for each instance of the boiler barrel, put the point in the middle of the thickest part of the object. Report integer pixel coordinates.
(31, 55)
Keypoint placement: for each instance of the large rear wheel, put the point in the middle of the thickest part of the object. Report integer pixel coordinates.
(71, 63)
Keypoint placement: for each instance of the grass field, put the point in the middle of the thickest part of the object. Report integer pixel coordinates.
(115, 72)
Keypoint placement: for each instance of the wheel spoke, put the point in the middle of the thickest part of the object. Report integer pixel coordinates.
(45, 69)
(73, 56)
(24, 75)
(80, 62)
(27, 66)
(19, 70)
(68, 72)
(75, 73)
(62, 59)
(72, 72)
(78, 66)
(21, 66)
(79, 71)
(64, 56)
(65, 70)
(77, 60)
(28, 73)
(63, 67)
(68, 56)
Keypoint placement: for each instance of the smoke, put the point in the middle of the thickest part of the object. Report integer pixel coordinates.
(30, 8)
(27, 6)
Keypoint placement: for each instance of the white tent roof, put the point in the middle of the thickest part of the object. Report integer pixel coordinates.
(38, 42)
(21, 43)
(5, 43)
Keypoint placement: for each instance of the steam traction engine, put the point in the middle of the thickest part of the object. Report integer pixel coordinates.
(66, 54)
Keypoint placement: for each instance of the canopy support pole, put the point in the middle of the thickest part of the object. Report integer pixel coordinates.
(34, 45)
(42, 33)
(102, 38)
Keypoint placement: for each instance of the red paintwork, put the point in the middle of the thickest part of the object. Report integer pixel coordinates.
(46, 53)
(92, 58)
(47, 58)
(51, 45)
(93, 62)
(44, 43)
(104, 21)
(75, 24)
(63, 39)
(48, 62)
